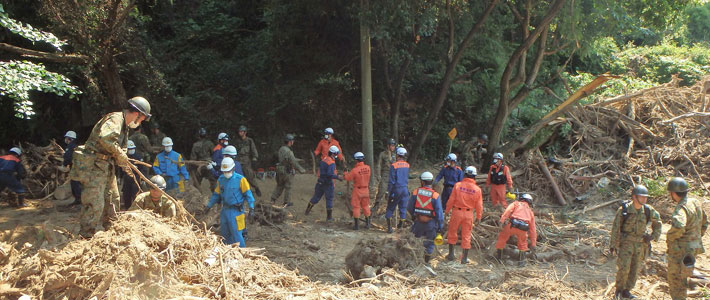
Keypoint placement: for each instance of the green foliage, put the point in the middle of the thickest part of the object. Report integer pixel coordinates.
(20, 77)
(698, 23)
(656, 187)
(29, 32)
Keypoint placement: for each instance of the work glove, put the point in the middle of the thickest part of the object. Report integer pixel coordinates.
(122, 161)
(613, 251)
(502, 225)
(211, 165)
(647, 238)
(390, 199)
(250, 217)
(63, 169)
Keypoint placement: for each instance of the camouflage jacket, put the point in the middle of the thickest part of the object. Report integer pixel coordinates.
(164, 207)
(246, 151)
(688, 224)
(287, 160)
(384, 160)
(202, 150)
(109, 136)
(142, 144)
(634, 225)
(156, 140)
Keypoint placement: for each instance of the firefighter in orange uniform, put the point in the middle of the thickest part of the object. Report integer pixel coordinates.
(519, 220)
(466, 199)
(360, 175)
(498, 177)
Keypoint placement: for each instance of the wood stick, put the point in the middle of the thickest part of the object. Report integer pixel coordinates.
(598, 206)
(135, 161)
(546, 171)
(224, 278)
(684, 116)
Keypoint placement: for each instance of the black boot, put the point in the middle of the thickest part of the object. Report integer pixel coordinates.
(330, 215)
(400, 224)
(367, 222)
(389, 225)
(77, 201)
(499, 254)
(521, 258)
(626, 294)
(618, 294)
(308, 209)
(464, 258)
(288, 203)
(245, 235)
(451, 255)
(356, 227)
(21, 201)
(427, 258)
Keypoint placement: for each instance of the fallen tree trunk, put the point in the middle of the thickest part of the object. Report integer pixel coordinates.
(546, 171)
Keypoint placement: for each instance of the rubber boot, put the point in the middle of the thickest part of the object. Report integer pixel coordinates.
(389, 225)
(367, 222)
(21, 201)
(451, 255)
(400, 224)
(499, 254)
(427, 258)
(618, 294)
(330, 215)
(288, 203)
(464, 257)
(626, 294)
(521, 258)
(245, 235)
(356, 227)
(308, 209)
(76, 202)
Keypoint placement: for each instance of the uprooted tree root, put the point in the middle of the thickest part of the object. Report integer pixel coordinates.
(399, 252)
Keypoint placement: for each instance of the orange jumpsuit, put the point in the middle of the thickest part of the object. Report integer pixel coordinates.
(360, 176)
(498, 182)
(324, 146)
(465, 196)
(519, 210)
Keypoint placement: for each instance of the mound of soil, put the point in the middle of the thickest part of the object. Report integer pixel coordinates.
(401, 251)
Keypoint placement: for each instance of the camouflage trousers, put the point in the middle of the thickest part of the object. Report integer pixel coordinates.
(100, 197)
(283, 185)
(251, 177)
(677, 283)
(382, 188)
(198, 173)
(628, 264)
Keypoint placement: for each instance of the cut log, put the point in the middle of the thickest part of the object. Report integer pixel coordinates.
(558, 194)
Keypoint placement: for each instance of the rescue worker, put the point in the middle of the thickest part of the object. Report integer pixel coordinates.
(285, 170)
(684, 238)
(142, 142)
(386, 158)
(130, 189)
(328, 141)
(427, 213)
(630, 240)
(217, 156)
(229, 151)
(156, 138)
(201, 151)
(451, 173)
(232, 191)
(326, 182)
(11, 172)
(248, 156)
(397, 189)
(170, 165)
(466, 200)
(498, 177)
(70, 141)
(94, 164)
(360, 176)
(154, 200)
(519, 220)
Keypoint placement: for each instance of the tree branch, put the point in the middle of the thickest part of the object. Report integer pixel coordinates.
(46, 56)
(469, 73)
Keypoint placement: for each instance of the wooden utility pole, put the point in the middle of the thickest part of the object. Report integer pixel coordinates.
(366, 79)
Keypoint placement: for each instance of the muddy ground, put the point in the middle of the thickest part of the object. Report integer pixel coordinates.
(316, 249)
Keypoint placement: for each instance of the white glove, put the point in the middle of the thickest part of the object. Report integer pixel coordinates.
(211, 165)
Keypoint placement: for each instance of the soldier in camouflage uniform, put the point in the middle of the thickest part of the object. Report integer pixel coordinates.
(142, 143)
(285, 170)
(688, 224)
(630, 240)
(155, 200)
(386, 158)
(201, 150)
(95, 162)
(473, 151)
(156, 139)
(247, 156)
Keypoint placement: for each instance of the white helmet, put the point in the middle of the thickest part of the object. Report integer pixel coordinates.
(358, 156)
(329, 130)
(167, 141)
(227, 164)
(131, 145)
(159, 181)
(426, 176)
(401, 151)
(16, 150)
(70, 134)
(229, 150)
(334, 150)
(222, 136)
(527, 198)
(451, 157)
(498, 155)
(471, 171)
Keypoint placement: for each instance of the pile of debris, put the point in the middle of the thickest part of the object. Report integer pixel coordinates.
(42, 165)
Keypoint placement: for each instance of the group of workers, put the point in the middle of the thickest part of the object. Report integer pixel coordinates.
(92, 172)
